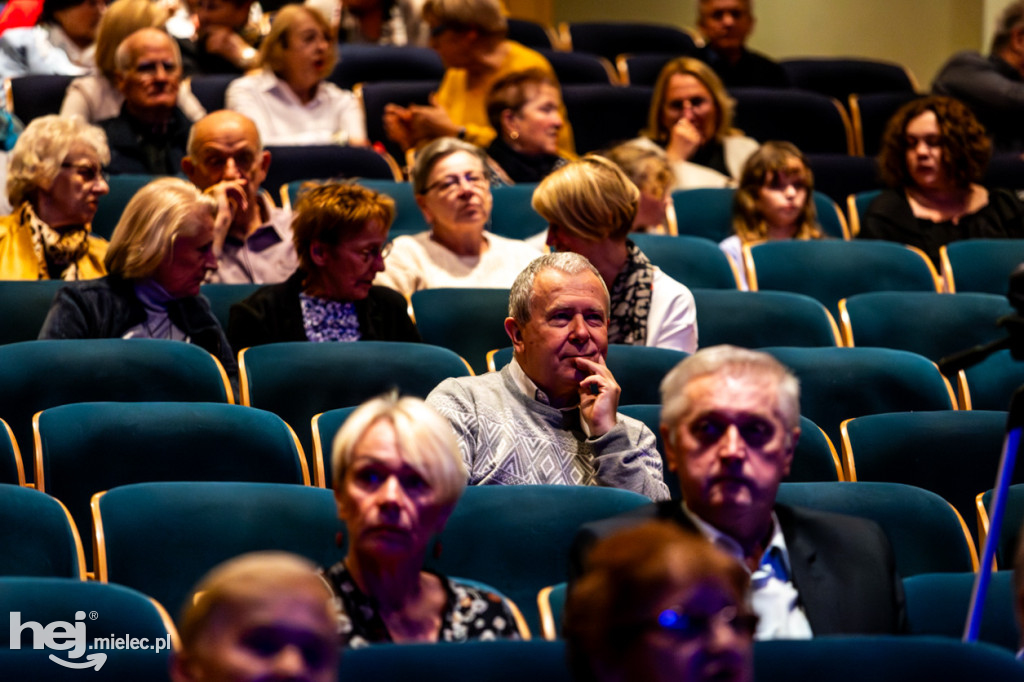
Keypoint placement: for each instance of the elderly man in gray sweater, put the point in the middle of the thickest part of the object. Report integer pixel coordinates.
(551, 415)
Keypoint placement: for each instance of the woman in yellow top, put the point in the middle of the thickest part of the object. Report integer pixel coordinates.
(469, 35)
(54, 183)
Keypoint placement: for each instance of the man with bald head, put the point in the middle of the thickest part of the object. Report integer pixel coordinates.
(150, 133)
(227, 158)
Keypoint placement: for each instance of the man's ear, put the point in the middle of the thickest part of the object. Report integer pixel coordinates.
(514, 333)
(119, 81)
(668, 439)
(794, 438)
(421, 201)
(188, 168)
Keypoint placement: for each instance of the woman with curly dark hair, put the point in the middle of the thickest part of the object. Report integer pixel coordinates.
(933, 154)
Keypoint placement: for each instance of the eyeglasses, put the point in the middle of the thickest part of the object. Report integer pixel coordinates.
(450, 183)
(87, 171)
(371, 254)
(690, 626)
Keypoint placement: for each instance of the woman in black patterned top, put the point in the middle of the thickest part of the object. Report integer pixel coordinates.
(397, 476)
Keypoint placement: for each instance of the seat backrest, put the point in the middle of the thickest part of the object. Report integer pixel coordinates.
(84, 448)
(694, 261)
(953, 454)
(223, 296)
(774, 114)
(517, 537)
(623, 114)
(1004, 170)
(160, 538)
(529, 33)
(830, 270)
(89, 370)
(839, 175)
(857, 205)
(871, 112)
(992, 382)
(375, 96)
(375, 63)
(512, 213)
(937, 604)
(707, 212)
(297, 380)
(210, 89)
(111, 205)
(575, 68)
(882, 659)
(325, 161)
(504, 660)
(840, 77)
(926, 533)
(23, 307)
(982, 265)
(36, 95)
(470, 322)
(1009, 535)
(843, 383)
(38, 535)
(325, 427)
(610, 39)
(930, 324)
(754, 319)
(12, 466)
(642, 68)
(551, 602)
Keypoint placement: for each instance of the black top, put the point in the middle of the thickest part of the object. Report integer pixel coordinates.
(889, 217)
(752, 70)
(273, 314)
(136, 147)
(522, 167)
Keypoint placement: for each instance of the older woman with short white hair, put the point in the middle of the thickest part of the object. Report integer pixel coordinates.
(397, 477)
(159, 255)
(54, 182)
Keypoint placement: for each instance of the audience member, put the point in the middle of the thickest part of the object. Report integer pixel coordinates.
(383, 22)
(226, 40)
(341, 236)
(730, 421)
(95, 97)
(258, 617)
(150, 133)
(933, 155)
(61, 42)
(992, 86)
(659, 604)
(159, 254)
(648, 168)
(590, 206)
(726, 25)
(469, 35)
(524, 108)
(691, 119)
(775, 200)
(54, 183)
(397, 477)
(226, 157)
(551, 415)
(289, 100)
(452, 189)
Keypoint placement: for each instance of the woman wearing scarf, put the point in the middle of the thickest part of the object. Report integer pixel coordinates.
(590, 206)
(54, 183)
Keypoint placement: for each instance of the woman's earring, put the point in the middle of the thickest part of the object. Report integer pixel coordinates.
(514, 135)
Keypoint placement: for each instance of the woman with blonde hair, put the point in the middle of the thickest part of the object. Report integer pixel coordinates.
(648, 168)
(590, 206)
(95, 97)
(398, 474)
(54, 182)
(159, 255)
(775, 200)
(290, 100)
(691, 119)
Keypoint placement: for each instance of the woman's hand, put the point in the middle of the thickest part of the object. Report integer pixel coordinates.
(431, 121)
(398, 125)
(684, 141)
(599, 397)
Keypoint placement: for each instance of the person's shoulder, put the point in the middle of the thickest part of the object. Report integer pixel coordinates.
(822, 524)
(386, 296)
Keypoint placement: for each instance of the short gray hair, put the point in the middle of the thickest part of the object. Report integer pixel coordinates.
(429, 156)
(1010, 19)
(40, 150)
(124, 57)
(733, 361)
(521, 295)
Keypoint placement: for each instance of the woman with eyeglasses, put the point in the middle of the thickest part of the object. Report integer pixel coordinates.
(452, 189)
(340, 233)
(54, 183)
(658, 603)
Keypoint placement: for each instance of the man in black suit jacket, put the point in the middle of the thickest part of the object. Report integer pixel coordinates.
(730, 423)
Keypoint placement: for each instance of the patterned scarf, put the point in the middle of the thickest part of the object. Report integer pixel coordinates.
(327, 320)
(631, 299)
(57, 251)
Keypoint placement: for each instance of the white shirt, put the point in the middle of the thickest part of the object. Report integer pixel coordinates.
(333, 116)
(418, 262)
(774, 597)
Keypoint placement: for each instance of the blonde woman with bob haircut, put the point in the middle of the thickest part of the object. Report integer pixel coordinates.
(160, 252)
(290, 100)
(590, 206)
(54, 182)
(259, 616)
(775, 200)
(691, 119)
(95, 97)
(397, 476)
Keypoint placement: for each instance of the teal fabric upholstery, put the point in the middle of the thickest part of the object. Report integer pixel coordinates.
(111, 205)
(755, 319)
(984, 264)
(694, 261)
(707, 212)
(38, 536)
(512, 213)
(160, 538)
(325, 426)
(223, 296)
(556, 604)
(938, 603)
(924, 530)
(470, 322)
(1009, 536)
(11, 464)
(23, 307)
(992, 381)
